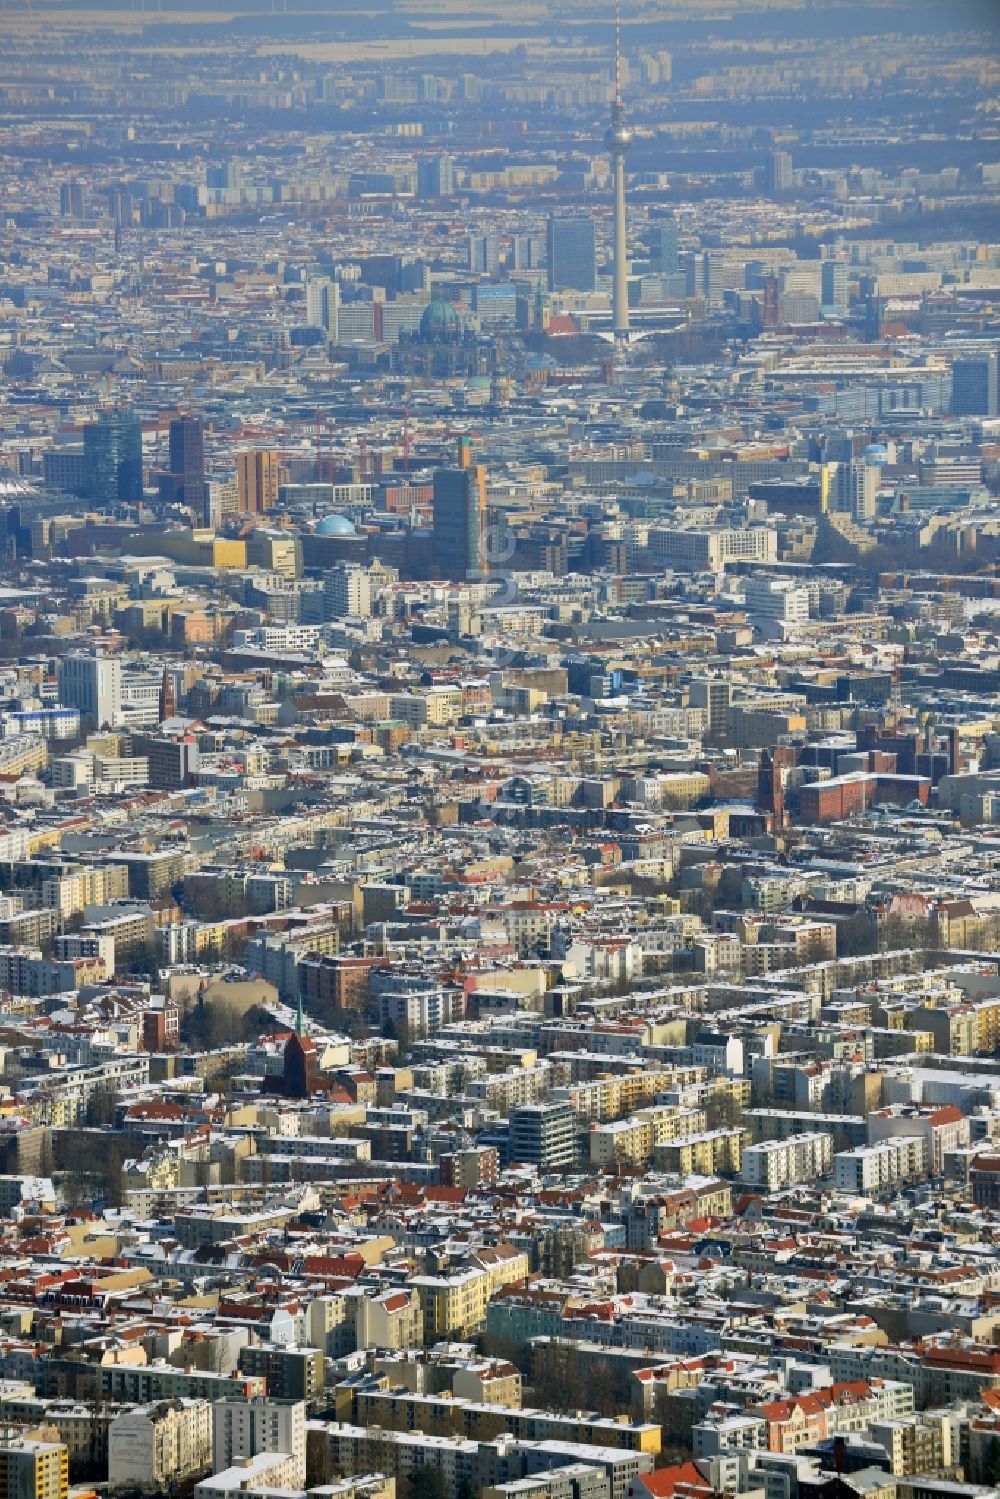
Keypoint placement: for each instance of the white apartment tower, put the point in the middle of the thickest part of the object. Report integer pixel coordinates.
(244, 1428)
(94, 685)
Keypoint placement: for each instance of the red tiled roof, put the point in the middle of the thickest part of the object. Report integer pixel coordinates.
(664, 1483)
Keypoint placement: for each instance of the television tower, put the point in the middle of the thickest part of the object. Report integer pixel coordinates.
(618, 139)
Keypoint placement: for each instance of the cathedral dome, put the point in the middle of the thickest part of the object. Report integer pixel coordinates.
(440, 320)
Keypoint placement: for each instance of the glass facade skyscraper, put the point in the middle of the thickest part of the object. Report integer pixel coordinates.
(112, 449)
(459, 514)
(572, 255)
(187, 460)
(974, 386)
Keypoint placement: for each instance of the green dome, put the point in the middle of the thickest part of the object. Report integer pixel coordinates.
(440, 319)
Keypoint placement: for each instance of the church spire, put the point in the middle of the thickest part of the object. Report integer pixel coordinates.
(300, 1019)
(168, 699)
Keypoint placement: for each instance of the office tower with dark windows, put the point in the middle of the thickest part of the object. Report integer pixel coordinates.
(435, 177)
(227, 177)
(779, 172)
(572, 254)
(112, 449)
(974, 386)
(715, 696)
(121, 206)
(72, 200)
(459, 523)
(187, 461)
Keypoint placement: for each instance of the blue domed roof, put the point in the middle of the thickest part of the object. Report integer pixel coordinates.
(335, 525)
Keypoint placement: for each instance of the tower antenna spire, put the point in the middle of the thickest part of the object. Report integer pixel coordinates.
(618, 139)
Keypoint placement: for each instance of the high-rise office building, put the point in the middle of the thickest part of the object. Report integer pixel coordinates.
(359, 321)
(316, 303)
(228, 177)
(222, 500)
(121, 206)
(484, 253)
(459, 522)
(833, 288)
(850, 488)
(528, 252)
(93, 684)
(173, 759)
(572, 254)
(72, 200)
(655, 67)
(347, 591)
(257, 481)
(323, 305)
(974, 386)
(665, 248)
(435, 177)
(778, 176)
(711, 277)
(187, 461)
(395, 273)
(715, 696)
(112, 450)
